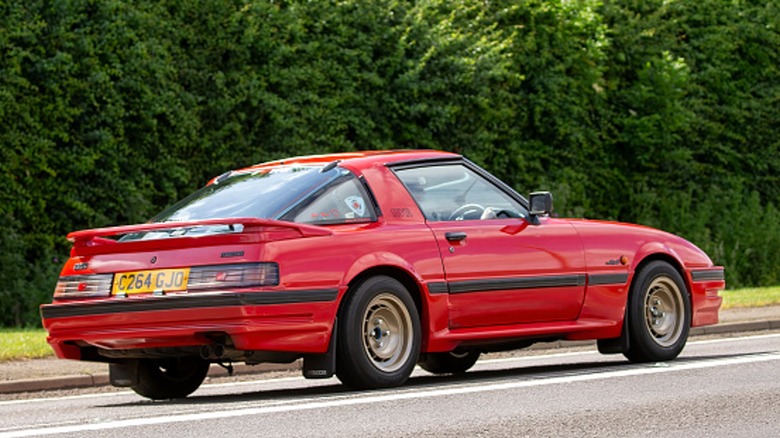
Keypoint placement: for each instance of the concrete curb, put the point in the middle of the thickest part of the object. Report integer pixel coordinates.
(52, 383)
(742, 326)
(101, 379)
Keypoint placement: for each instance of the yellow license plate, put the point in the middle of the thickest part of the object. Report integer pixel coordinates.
(139, 282)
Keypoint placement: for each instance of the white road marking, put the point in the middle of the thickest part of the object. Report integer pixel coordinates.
(294, 379)
(114, 394)
(254, 382)
(63, 398)
(544, 356)
(368, 398)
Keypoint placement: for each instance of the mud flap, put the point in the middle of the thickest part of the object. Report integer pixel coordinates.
(123, 374)
(616, 345)
(322, 366)
(625, 338)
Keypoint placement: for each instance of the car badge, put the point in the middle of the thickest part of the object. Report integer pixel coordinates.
(623, 260)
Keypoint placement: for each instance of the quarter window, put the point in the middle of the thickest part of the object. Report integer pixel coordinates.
(341, 201)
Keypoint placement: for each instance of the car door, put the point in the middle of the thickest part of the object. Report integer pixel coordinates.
(500, 268)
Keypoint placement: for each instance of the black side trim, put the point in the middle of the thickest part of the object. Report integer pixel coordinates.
(708, 275)
(191, 301)
(516, 283)
(439, 287)
(601, 279)
(370, 193)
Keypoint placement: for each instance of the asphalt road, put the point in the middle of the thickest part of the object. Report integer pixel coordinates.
(718, 387)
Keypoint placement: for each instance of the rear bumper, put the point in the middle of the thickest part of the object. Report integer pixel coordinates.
(290, 321)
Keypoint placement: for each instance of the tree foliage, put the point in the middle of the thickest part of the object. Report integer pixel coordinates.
(652, 111)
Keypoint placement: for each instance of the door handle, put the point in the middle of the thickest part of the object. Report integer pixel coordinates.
(455, 236)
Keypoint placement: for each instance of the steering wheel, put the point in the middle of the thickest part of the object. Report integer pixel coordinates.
(507, 214)
(462, 211)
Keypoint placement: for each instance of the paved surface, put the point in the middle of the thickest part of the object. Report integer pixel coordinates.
(53, 374)
(723, 385)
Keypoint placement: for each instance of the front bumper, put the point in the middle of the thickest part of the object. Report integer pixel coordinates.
(706, 285)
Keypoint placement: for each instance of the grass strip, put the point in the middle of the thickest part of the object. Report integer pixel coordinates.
(23, 344)
(751, 297)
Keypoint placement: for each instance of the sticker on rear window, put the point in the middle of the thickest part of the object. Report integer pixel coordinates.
(356, 204)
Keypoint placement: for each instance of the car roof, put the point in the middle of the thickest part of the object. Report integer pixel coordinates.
(358, 160)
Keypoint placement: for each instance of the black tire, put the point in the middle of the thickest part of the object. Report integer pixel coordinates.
(177, 377)
(453, 362)
(659, 314)
(379, 335)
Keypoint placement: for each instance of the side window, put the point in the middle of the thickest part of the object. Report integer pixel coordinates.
(454, 192)
(342, 200)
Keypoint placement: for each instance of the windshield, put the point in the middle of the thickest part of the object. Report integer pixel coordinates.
(264, 193)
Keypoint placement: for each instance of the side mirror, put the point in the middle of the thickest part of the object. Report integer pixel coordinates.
(541, 203)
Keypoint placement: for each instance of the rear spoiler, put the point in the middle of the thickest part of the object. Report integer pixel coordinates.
(251, 229)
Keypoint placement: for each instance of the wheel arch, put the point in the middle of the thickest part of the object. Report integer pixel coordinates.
(641, 347)
(622, 343)
(325, 365)
(357, 369)
(406, 278)
(664, 257)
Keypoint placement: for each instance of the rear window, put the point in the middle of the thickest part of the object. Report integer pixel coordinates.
(305, 194)
(320, 195)
(265, 193)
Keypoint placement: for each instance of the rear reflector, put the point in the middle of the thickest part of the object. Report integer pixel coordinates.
(84, 286)
(233, 276)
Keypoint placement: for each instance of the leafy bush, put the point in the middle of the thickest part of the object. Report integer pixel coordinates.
(648, 111)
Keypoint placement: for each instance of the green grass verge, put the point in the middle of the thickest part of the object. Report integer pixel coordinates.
(31, 343)
(751, 297)
(23, 344)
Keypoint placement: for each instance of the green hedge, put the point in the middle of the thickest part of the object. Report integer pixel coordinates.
(650, 111)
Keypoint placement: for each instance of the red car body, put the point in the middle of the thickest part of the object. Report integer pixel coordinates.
(477, 284)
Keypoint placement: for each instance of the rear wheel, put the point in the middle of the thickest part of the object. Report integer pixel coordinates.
(452, 362)
(659, 314)
(168, 378)
(379, 335)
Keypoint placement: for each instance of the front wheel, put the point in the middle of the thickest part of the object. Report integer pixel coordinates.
(659, 314)
(379, 335)
(168, 378)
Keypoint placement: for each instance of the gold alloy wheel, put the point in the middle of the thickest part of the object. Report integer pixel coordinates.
(664, 309)
(387, 332)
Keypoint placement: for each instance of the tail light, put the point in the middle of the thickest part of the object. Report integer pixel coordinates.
(233, 276)
(84, 286)
(201, 278)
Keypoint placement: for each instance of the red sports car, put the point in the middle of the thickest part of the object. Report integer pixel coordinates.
(364, 265)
